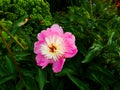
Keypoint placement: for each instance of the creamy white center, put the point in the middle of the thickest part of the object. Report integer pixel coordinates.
(53, 48)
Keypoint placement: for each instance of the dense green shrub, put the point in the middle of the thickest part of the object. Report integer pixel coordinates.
(36, 11)
(96, 28)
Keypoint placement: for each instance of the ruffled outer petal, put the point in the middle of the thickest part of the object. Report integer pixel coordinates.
(58, 65)
(41, 36)
(42, 61)
(54, 30)
(36, 47)
(70, 46)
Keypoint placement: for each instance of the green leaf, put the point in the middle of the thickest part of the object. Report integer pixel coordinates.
(53, 81)
(102, 70)
(2, 71)
(95, 50)
(20, 22)
(22, 53)
(20, 85)
(81, 85)
(103, 74)
(110, 40)
(30, 83)
(27, 39)
(61, 85)
(7, 78)
(10, 65)
(105, 87)
(41, 78)
(65, 71)
(7, 24)
(118, 50)
(5, 35)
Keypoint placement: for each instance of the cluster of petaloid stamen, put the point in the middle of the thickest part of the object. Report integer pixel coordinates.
(52, 48)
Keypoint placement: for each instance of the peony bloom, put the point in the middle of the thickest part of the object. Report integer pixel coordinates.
(53, 47)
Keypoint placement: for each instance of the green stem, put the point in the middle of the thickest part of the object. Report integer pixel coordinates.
(91, 8)
(4, 29)
(11, 55)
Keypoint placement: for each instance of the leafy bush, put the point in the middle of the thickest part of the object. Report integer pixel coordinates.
(36, 11)
(97, 38)
(95, 25)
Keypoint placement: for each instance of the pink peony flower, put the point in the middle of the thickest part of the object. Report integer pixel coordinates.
(53, 47)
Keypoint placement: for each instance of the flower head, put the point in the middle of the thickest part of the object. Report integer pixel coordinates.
(53, 47)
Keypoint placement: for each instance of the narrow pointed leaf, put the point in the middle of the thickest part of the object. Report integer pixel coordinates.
(7, 78)
(41, 78)
(20, 85)
(81, 85)
(94, 51)
(10, 65)
(110, 40)
(30, 83)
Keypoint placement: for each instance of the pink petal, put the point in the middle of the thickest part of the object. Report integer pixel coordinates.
(71, 52)
(42, 61)
(70, 46)
(69, 36)
(45, 33)
(56, 29)
(58, 65)
(36, 47)
(41, 36)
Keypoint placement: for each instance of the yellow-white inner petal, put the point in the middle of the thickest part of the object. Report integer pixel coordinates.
(53, 48)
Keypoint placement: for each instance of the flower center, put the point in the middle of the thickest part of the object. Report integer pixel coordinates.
(53, 48)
